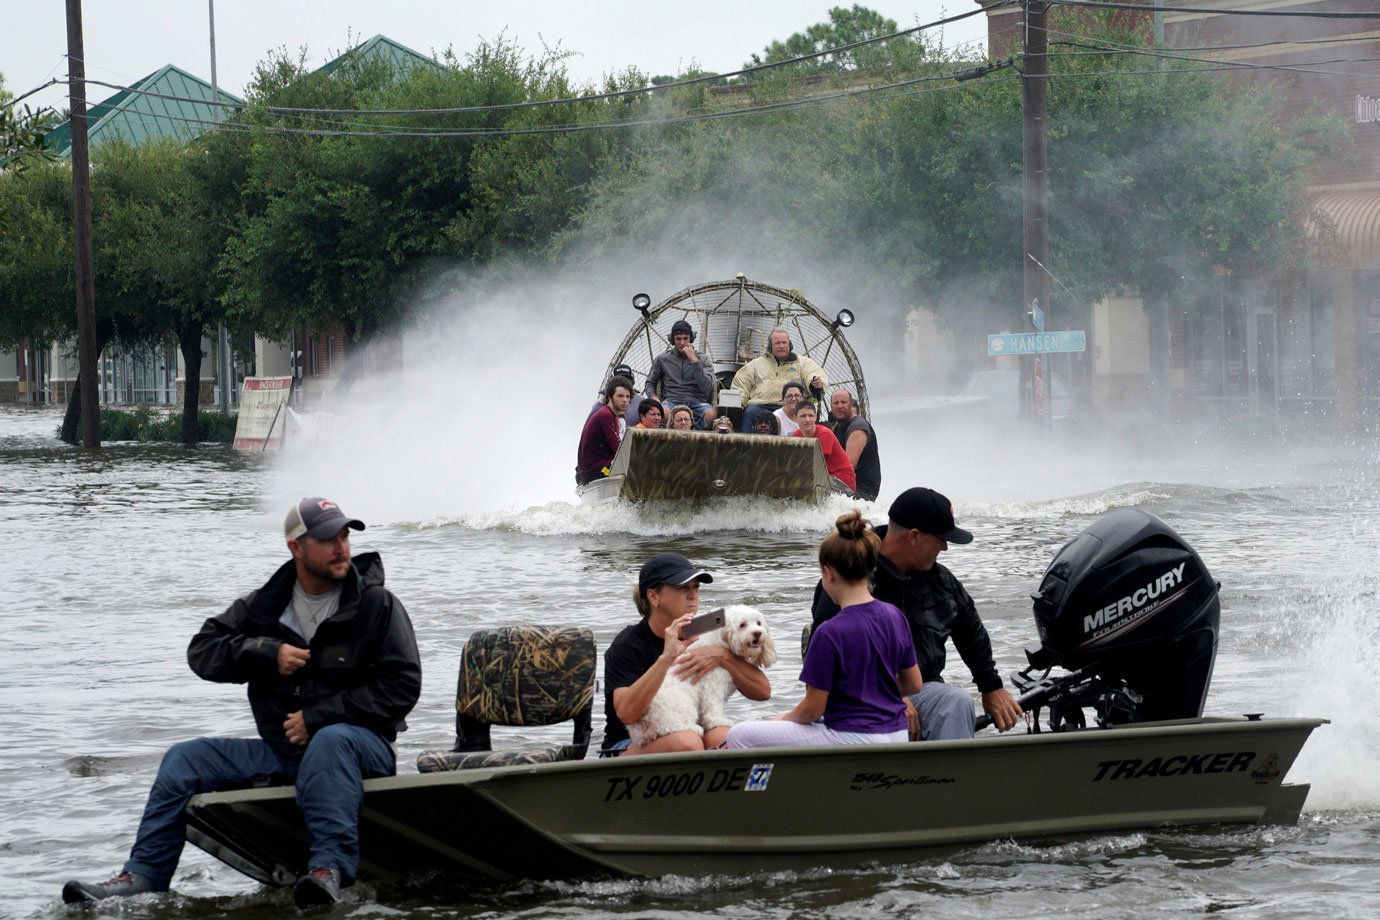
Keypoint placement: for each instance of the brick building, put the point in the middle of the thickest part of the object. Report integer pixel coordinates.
(1280, 345)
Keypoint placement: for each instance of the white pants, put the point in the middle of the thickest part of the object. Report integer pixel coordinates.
(777, 733)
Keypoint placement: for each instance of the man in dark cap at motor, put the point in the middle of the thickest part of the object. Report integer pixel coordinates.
(920, 526)
(332, 671)
(681, 377)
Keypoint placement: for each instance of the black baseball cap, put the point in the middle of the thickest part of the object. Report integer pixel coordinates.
(622, 370)
(926, 510)
(318, 518)
(669, 569)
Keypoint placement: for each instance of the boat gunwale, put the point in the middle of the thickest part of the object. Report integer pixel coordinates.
(1171, 729)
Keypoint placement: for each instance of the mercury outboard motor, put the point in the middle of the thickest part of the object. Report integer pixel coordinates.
(1129, 608)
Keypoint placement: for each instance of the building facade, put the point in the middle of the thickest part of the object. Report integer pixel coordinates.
(1305, 343)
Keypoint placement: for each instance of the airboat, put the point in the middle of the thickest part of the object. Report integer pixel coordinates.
(732, 320)
(1127, 614)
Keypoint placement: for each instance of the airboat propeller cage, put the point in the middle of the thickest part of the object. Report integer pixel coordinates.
(732, 320)
(1129, 600)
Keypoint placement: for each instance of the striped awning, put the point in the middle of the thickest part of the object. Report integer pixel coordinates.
(1349, 228)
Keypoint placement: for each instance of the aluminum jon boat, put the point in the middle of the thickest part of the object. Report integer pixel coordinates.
(783, 808)
(1127, 612)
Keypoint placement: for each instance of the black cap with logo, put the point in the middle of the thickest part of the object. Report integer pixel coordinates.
(928, 511)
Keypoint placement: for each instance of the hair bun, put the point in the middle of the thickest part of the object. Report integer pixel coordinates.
(851, 526)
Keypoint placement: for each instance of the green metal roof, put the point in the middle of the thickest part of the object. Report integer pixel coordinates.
(136, 117)
(400, 56)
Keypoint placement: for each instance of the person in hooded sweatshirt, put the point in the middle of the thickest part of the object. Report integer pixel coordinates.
(682, 376)
(332, 670)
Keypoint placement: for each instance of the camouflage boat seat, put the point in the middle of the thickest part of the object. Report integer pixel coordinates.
(520, 675)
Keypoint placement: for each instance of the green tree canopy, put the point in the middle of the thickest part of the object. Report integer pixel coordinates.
(846, 26)
(337, 229)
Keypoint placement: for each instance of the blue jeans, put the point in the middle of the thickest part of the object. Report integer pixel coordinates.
(698, 409)
(330, 791)
(946, 712)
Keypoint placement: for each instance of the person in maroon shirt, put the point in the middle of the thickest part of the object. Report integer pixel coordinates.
(835, 459)
(601, 435)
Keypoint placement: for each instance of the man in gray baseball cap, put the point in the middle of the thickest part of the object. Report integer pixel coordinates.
(332, 671)
(318, 518)
(920, 526)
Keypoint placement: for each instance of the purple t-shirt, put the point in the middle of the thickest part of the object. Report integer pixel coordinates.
(855, 657)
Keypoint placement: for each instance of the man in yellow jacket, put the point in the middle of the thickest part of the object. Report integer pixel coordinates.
(761, 379)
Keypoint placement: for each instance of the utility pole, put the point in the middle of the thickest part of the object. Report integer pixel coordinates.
(1035, 377)
(224, 359)
(88, 355)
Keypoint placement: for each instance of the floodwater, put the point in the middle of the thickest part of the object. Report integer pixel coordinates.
(113, 559)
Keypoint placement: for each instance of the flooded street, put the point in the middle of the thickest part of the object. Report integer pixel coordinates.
(115, 558)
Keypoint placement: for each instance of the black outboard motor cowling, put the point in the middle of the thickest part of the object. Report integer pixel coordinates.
(1129, 602)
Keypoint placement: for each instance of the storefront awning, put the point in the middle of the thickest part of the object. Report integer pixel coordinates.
(1350, 229)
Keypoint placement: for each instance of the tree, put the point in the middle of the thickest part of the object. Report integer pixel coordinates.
(338, 229)
(1157, 182)
(846, 26)
(166, 210)
(153, 248)
(37, 289)
(21, 133)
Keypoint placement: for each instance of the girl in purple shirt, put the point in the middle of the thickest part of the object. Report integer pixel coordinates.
(860, 666)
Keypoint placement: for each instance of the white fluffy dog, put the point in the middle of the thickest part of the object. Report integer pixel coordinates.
(682, 706)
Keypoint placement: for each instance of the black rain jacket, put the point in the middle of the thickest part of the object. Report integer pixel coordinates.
(936, 606)
(364, 668)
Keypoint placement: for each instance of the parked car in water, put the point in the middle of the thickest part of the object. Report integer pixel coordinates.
(1001, 389)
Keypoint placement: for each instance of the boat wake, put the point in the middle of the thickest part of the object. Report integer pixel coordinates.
(752, 515)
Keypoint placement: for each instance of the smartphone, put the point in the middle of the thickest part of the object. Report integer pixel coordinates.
(704, 623)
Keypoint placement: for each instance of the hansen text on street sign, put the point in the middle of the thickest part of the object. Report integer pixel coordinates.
(1036, 343)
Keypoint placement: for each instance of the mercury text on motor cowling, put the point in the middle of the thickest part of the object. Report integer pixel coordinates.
(1136, 600)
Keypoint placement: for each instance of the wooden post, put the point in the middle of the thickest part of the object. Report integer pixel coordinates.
(87, 352)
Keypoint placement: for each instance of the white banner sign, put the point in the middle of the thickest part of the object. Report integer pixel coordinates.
(263, 408)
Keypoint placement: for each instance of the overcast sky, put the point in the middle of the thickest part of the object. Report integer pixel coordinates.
(129, 39)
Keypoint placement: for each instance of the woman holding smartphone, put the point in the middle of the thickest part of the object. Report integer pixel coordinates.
(667, 597)
(860, 666)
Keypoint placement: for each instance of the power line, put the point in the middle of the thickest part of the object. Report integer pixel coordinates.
(1306, 67)
(810, 101)
(1141, 8)
(42, 86)
(1278, 43)
(617, 94)
(892, 89)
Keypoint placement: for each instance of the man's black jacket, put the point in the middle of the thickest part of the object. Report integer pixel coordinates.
(364, 668)
(936, 605)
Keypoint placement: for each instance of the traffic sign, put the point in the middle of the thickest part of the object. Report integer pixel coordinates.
(1036, 343)
(1037, 316)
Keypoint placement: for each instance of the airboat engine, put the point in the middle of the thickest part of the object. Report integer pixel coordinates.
(1129, 608)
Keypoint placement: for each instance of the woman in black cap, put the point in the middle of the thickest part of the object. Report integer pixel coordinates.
(667, 596)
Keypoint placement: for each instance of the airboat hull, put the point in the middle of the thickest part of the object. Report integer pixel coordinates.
(670, 465)
(781, 808)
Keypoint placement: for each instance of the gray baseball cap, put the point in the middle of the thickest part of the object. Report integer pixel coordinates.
(318, 518)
